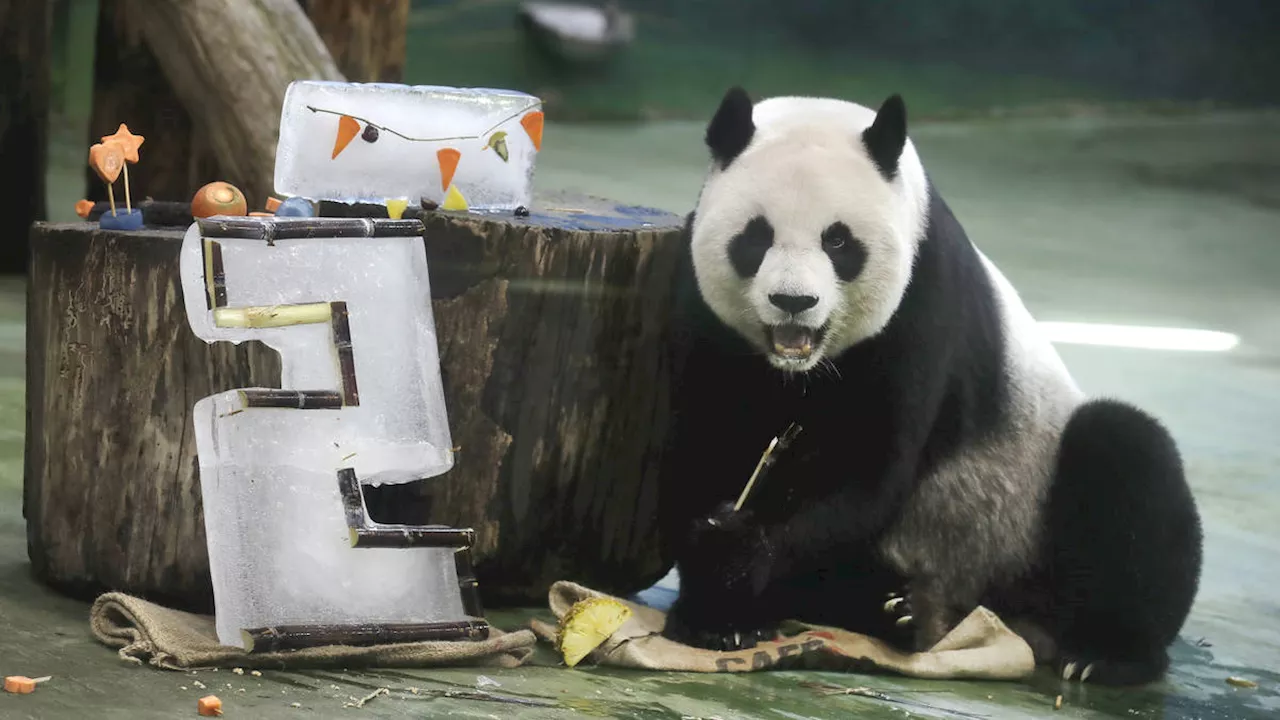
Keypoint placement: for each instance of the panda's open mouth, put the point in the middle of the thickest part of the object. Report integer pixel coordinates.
(794, 342)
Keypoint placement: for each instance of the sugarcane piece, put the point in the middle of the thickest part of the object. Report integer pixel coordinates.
(272, 316)
(297, 637)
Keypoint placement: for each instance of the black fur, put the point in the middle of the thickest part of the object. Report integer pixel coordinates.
(1126, 544)
(794, 304)
(747, 249)
(847, 254)
(732, 127)
(887, 136)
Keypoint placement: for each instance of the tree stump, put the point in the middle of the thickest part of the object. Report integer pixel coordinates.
(552, 332)
(111, 493)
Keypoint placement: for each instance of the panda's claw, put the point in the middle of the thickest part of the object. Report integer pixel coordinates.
(893, 603)
(904, 621)
(1088, 670)
(1068, 670)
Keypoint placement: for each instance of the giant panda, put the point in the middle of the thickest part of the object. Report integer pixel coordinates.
(945, 459)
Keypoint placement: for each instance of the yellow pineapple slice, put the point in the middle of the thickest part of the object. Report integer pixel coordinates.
(588, 624)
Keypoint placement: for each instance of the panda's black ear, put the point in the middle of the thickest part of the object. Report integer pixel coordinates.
(887, 136)
(731, 128)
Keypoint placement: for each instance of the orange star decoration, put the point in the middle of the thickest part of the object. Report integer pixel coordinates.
(128, 141)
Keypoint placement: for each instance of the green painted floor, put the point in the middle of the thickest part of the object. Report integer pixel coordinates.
(1167, 222)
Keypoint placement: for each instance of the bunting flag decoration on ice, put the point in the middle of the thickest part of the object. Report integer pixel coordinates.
(498, 142)
(532, 124)
(448, 159)
(506, 144)
(347, 129)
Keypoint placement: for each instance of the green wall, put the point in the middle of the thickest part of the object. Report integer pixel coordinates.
(946, 56)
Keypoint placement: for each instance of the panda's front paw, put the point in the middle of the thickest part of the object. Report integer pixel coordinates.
(729, 554)
(715, 637)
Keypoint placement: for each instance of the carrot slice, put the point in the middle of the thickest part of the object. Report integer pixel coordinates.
(19, 684)
(448, 159)
(533, 125)
(347, 129)
(209, 706)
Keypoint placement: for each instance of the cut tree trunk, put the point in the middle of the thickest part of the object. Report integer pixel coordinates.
(552, 335)
(112, 494)
(365, 37)
(25, 35)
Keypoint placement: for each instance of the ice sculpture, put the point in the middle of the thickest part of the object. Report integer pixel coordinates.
(370, 142)
(294, 557)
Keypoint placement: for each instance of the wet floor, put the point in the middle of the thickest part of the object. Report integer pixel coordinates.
(1171, 223)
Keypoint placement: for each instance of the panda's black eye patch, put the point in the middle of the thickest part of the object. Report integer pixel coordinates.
(747, 248)
(846, 253)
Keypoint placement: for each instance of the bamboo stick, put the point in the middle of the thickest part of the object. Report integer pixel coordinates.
(271, 229)
(298, 399)
(766, 460)
(295, 637)
(346, 354)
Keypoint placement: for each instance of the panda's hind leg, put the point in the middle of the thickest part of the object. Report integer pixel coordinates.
(1124, 544)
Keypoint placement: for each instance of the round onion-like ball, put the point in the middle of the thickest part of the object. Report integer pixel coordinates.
(218, 198)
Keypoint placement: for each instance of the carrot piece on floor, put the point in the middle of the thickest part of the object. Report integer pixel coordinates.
(19, 684)
(210, 706)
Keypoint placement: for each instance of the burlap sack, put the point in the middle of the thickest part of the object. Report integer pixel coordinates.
(176, 640)
(980, 647)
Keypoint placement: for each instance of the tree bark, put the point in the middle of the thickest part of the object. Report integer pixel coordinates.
(366, 37)
(130, 88)
(25, 37)
(112, 494)
(552, 336)
(206, 89)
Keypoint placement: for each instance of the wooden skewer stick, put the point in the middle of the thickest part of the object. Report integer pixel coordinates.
(128, 205)
(767, 459)
(111, 196)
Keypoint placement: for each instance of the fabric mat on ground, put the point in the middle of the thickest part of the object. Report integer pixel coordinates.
(980, 647)
(174, 640)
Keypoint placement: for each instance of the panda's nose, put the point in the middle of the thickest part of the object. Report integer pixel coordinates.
(794, 304)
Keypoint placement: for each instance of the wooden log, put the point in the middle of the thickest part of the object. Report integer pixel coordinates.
(366, 37)
(129, 87)
(551, 333)
(228, 62)
(112, 494)
(25, 37)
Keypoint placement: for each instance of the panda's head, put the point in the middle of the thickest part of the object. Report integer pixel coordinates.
(805, 232)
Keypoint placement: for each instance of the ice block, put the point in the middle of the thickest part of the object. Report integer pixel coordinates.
(347, 304)
(370, 142)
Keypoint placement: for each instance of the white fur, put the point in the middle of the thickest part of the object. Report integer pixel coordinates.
(978, 516)
(806, 168)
